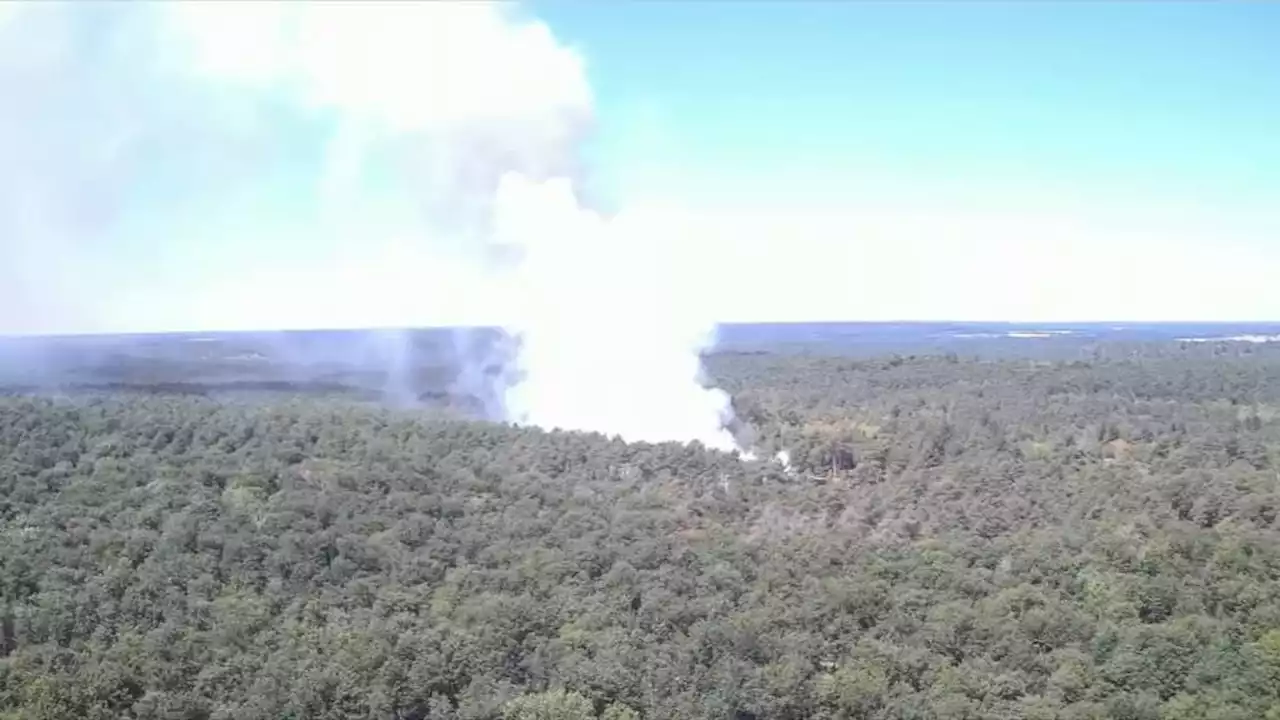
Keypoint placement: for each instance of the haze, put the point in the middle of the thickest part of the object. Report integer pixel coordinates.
(838, 161)
(363, 358)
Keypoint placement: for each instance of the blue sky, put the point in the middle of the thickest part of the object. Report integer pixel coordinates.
(208, 165)
(1152, 101)
(1129, 148)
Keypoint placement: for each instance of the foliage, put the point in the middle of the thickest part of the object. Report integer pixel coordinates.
(953, 539)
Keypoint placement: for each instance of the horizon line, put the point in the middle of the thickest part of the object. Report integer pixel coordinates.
(1116, 324)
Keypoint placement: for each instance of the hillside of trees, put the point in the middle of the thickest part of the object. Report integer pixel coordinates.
(953, 538)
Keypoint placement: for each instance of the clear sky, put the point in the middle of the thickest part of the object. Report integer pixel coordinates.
(1156, 99)
(1142, 134)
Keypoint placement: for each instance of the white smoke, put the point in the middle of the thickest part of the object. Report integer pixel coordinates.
(783, 458)
(224, 166)
(608, 319)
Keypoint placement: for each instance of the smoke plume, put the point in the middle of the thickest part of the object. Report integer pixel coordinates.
(233, 166)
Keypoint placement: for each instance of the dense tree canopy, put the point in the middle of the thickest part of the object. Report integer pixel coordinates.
(953, 538)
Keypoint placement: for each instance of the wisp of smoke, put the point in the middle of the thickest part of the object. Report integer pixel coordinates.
(235, 166)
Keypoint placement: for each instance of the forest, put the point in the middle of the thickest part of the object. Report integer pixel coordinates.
(1092, 536)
